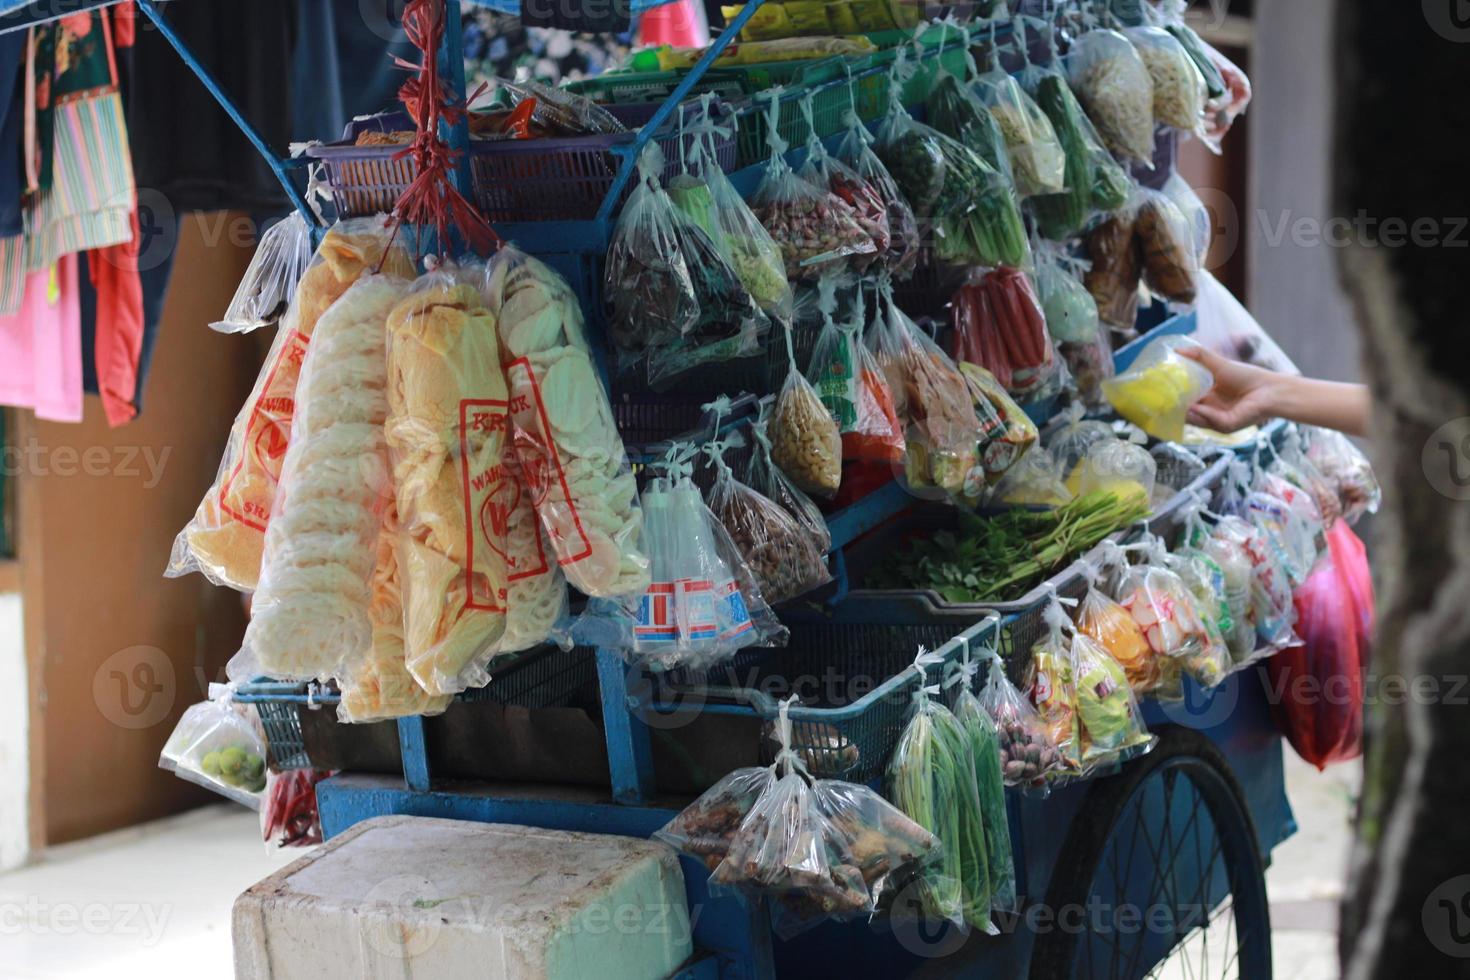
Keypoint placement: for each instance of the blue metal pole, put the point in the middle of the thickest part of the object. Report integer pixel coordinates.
(451, 69)
(629, 752)
(630, 153)
(279, 166)
(415, 751)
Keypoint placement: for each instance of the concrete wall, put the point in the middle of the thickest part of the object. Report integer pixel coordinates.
(14, 736)
(1292, 276)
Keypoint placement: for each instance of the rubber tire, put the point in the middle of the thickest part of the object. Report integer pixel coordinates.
(1071, 881)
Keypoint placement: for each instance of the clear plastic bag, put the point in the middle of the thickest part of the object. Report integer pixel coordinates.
(1196, 215)
(821, 169)
(1206, 583)
(1115, 270)
(1167, 246)
(1229, 555)
(703, 602)
(1114, 86)
(1164, 609)
(1118, 467)
(1069, 443)
(1221, 112)
(1346, 469)
(1228, 328)
(954, 109)
(984, 738)
(1113, 628)
(766, 477)
(932, 778)
(311, 610)
(565, 438)
(703, 830)
(566, 111)
(855, 151)
(874, 836)
(1036, 155)
(1034, 480)
(708, 198)
(785, 557)
(1050, 688)
(218, 747)
(1094, 182)
(1271, 609)
(1178, 87)
(448, 432)
(1027, 753)
(999, 325)
(1069, 309)
(1107, 712)
(1007, 432)
(1158, 388)
(833, 370)
(943, 433)
(805, 439)
(226, 537)
(816, 230)
(288, 814)
(674, 296)
(271, 279)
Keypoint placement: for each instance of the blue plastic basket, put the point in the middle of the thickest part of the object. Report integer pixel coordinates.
(561, 179)
(855, 682)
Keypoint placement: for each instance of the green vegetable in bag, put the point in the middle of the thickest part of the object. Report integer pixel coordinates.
(1094, 180)
(984, 738)
(955, 111)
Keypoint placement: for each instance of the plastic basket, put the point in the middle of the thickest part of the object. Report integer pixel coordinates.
(855, 682)
(563, 178)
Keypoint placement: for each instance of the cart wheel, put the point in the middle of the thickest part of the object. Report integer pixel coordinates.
(1160, 875)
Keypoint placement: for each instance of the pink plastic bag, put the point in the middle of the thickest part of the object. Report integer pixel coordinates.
(1318, 684)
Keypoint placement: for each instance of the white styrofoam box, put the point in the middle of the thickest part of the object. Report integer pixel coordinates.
(418, 898)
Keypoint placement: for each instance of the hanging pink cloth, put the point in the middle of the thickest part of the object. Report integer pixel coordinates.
(41, 345)
(672, 23)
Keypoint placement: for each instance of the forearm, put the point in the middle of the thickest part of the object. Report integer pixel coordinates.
(1330, 404)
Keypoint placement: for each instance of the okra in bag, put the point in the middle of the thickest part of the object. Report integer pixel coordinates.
(932, 778)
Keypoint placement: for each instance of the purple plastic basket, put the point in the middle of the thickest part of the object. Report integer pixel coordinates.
(562, 179)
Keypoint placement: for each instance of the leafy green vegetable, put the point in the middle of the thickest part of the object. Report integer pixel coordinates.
(996, 559)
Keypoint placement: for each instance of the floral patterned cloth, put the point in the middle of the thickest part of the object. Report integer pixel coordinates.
(498, 45)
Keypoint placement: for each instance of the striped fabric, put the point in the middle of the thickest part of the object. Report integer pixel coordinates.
(90, 203)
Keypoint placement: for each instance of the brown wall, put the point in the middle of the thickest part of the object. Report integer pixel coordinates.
(116, 651)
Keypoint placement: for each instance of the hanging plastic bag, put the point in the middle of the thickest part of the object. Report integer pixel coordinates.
(674, 296)
(805, 440)
(1034, 480)
(1303, 531)
(1321, 677)
(1164, 609)
(1118, 467)
(816, 230)
(703, 602)
(1170, 16)
(1221, 112)
(311, 610)
(1114, 86)
(1050, 687)
(955, 110)
(1115, 270)
(1196, 215)
(1036, 155)
(998, 324)
(932, 778)
(1069, 443)
(984, 738)
(1027, 753)
(833, 370)
(288, 814)
(704, 828)
(1228, 554)
(1227, 328)
(1158, 388)
(271, 279)
(1271, 608)
(786, 559)
(1178, 87)
(943, 435)
(1069, 309)
(855, 151)
(708, 198)
(766, 477)
(1206, 583)
(1167, 247)
(1346, 469)
(1108, 715)
(216, 746)
(1094, 182)
(1113, 628)
(852, 387)
(226, 537)
(821, 169)
(565, 438)
(1006, 431)
(875, 837)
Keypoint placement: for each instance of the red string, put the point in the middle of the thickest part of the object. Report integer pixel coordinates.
(432, 199)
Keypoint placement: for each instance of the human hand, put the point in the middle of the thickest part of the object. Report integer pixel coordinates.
(1243, 395)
